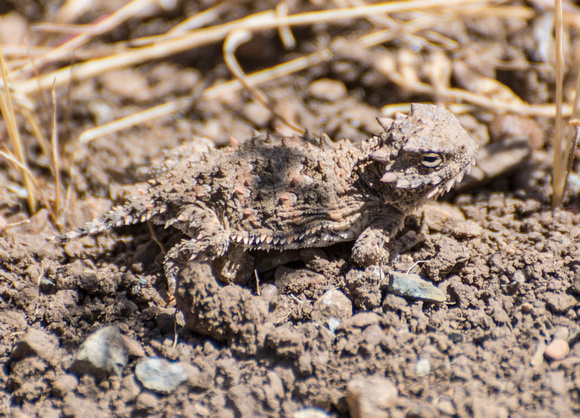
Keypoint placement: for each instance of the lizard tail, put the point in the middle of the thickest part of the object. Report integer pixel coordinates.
(115, 218)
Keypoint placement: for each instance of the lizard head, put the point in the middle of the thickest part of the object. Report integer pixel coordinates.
(426, 152)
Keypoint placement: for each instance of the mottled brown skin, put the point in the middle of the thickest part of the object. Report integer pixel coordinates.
(273, 192)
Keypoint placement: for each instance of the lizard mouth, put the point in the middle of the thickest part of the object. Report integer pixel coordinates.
(448, 185)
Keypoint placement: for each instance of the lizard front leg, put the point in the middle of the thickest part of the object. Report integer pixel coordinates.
(370, 252)
(370, 247)
(205, 247)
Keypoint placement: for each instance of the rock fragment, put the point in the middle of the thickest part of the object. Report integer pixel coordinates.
(160, 375)
(147, 401)
(65, 384)
(332, 304)
(103, 353)
(326, 89)
(370, 396)
(413, 286)
(423, 366)
(557, 349)
(310, 413)
(441, 217)
(560, 302)
(36, 343)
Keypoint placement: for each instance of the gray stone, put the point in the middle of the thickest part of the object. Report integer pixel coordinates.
(332, 304)
(160, 375)
(423, 367)
(103, 353)
(413, 286)
(310, 413)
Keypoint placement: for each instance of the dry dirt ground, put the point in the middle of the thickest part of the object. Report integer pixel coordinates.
(306, 332)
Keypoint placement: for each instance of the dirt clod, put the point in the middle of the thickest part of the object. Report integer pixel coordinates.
(369, 397)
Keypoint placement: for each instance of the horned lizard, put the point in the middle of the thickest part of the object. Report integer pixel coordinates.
(275, 193)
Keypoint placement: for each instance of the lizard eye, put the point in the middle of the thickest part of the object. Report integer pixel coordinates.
(431, 160)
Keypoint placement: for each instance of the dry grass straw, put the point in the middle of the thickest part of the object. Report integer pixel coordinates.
(190, 34)
(268, 20)
(19, 160)
(19, 157)
(233, 41)
(55, 157)
(563, 148)
(164, 46)
(559, 166)
(257, 22)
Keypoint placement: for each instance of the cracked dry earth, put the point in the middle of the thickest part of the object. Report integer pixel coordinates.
(308, 335)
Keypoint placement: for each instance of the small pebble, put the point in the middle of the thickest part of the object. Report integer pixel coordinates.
(148, 401)
(310, 413)
(65, 384)
(333, 324)
(332, 304)
(558, 382)
(268, 291)
(370, 396)
(127, 83)
(467, 229)
(515, 126)
(103, 353)
(423, 367)
(326, 89)
(561, 333)
(557, 349)
(256, 113)
(160, 375)
(560, 302)
(134, 349)
(446, 407)
(36, 343)
(275, 384)
(130, 388)
(441, 216)
(414, 286)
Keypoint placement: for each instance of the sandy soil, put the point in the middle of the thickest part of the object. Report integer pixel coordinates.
(307, 332)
